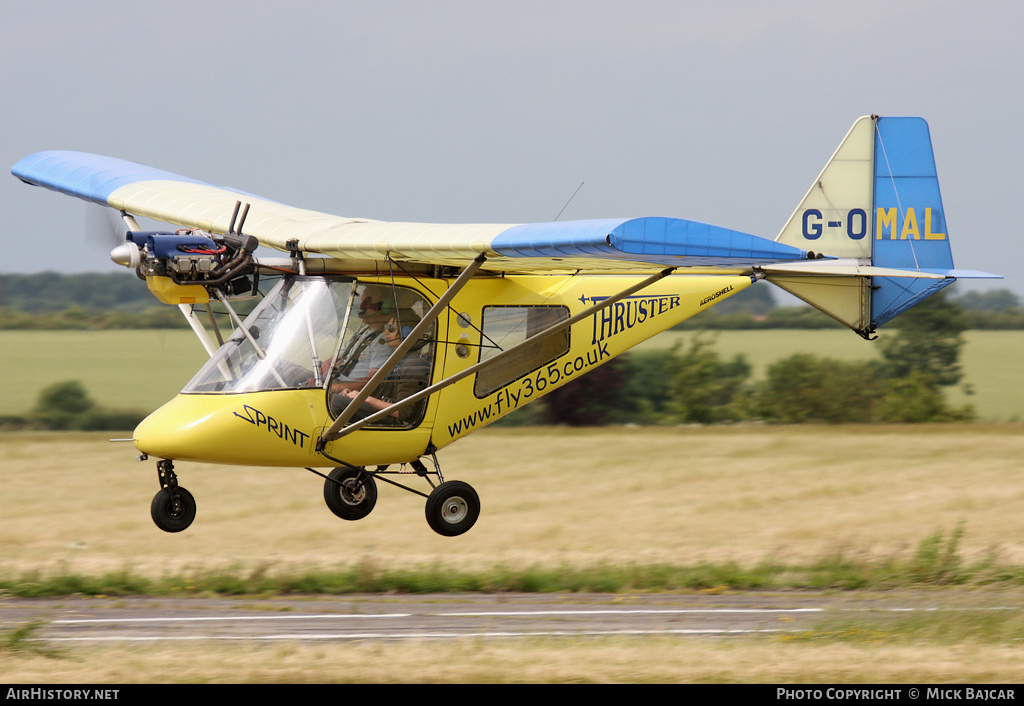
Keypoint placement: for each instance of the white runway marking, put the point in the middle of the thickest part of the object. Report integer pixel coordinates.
(224, 618)
(475, 614)
(654, 611)
(419, 636)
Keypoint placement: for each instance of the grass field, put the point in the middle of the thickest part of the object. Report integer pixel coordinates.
(550, 497)
(143, 369)
(530, 661)
(120, 369)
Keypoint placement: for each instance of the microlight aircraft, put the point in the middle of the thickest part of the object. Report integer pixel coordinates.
(378, 344)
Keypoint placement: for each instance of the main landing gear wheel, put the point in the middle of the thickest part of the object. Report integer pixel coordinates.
(350, 493)
(170, 513)
(452, 508)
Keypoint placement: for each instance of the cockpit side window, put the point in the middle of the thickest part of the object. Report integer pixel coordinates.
(379, 321)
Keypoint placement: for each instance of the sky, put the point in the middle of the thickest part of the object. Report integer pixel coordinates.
(479, 111)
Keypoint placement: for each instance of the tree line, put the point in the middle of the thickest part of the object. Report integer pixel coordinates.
(119, 300)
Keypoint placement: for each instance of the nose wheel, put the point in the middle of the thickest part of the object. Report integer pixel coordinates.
(173, 507)
(350, 493)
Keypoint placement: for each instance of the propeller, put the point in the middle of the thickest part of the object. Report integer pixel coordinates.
(105, 228)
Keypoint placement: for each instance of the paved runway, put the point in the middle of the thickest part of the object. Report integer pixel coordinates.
(446, 616)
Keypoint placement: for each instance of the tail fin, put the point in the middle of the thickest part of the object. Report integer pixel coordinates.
(876, 212)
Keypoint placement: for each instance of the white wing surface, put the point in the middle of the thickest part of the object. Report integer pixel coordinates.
(624, 245)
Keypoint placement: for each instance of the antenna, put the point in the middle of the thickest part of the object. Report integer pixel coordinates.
(569, 201)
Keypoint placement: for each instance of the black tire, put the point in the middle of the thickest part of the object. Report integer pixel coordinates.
(166, 516)
(452, 508)
(350, 493)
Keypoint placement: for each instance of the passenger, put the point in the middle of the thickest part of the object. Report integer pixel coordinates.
(409, 376)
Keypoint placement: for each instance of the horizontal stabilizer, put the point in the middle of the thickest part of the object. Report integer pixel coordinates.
(833, 268)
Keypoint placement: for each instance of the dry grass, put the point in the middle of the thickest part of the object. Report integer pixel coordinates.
(595, 660)
(679, 495)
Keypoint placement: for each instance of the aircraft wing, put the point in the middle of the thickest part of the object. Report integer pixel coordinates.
(625, 245)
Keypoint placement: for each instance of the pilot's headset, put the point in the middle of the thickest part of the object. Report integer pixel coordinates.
(408, 320)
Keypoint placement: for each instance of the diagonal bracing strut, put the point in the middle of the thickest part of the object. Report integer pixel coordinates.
(336, 432)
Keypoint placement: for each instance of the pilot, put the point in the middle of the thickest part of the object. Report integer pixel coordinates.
(366, 351)
(408, 377)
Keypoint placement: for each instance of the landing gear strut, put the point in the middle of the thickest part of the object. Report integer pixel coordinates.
(173, 507)
(452, 506)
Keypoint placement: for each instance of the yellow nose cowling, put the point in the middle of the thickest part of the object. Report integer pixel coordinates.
(260, 428)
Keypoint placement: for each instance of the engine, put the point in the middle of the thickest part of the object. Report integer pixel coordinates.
(187, 266)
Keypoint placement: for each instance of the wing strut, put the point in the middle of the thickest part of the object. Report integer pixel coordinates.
(396, 355)
(197, 328)
(334, 433)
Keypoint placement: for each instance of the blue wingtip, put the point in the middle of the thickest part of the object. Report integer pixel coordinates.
(91, 177)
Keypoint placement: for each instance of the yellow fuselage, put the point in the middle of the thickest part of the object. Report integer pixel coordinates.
(281, 427)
